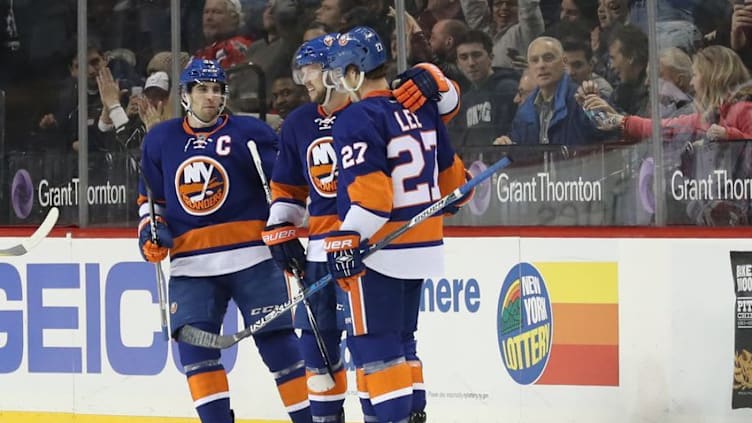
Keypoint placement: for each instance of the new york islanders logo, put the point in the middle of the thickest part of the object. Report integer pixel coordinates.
(322, 166)
(202, 185)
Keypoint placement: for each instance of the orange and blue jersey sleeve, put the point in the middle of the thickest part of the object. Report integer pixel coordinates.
(363, 175)
(451, 169)
(288, 184)
(449, 102)
(151, 171)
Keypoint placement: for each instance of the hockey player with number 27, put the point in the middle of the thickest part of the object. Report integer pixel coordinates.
(211, 209)
(393, 163)
(306, 168)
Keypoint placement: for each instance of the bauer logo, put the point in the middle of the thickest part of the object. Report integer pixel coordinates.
(322, 166)
(558, 323)
(524, 322)
(202, 185)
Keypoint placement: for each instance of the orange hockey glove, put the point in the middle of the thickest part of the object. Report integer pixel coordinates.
(422, 82)
(154, 250)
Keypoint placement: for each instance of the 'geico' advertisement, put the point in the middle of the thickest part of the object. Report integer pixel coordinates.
(516, 330)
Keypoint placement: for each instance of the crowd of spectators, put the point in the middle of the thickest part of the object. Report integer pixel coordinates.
(482, 44)
(530, 71)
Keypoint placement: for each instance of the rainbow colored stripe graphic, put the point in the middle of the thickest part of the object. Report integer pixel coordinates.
(585, 302)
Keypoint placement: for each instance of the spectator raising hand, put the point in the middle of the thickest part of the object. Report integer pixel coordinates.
(149, 113)
(741, 25)
(109, 91)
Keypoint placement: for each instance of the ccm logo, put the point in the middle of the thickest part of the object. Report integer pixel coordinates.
(266, 309)
(338, 244)
(279, 235)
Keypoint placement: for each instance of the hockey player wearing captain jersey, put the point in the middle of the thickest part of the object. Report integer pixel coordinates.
(392, 164)
(211, 210)
(307, 168)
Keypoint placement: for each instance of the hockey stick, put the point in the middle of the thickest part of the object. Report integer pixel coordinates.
(161, 283)
(316, 383)
(41, 233)
(205, 339)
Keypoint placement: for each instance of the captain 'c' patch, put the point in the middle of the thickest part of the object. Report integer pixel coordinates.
(322, 166)
(202, 185)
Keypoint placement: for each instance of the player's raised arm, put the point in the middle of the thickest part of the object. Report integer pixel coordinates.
(425, 82)
(452, 172)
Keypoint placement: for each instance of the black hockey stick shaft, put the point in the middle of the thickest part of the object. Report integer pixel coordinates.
(256, 156)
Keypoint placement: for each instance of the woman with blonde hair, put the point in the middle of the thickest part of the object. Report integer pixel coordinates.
(723, 100)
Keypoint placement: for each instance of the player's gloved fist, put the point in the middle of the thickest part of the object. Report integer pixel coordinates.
(422, 82)
(454, 208)
(287, 251)
(152, 251)
(343, 257)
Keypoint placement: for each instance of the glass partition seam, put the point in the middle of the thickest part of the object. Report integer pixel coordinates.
(83, 116)
(657, 142)
(401, 34)
(175, 52)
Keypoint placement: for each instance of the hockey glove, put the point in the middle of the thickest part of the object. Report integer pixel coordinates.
(154, 251)
(422, 82)
(454, 208)
(343, 257)
(287, 251)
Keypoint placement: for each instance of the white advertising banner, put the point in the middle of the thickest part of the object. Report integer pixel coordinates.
(518, 330)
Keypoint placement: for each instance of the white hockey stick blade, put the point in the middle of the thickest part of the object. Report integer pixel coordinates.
(40, 234)
(320, 383)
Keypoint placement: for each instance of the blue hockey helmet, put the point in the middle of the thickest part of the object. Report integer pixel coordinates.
(361, 47)
(199, 71)
(311, 52)
(202, 70)
(314, 50)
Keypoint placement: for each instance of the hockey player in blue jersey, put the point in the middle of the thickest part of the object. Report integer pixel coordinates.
(392, 164)
(306, 168)
(211, 210)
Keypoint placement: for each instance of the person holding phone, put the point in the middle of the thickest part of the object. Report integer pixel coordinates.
(741, 26)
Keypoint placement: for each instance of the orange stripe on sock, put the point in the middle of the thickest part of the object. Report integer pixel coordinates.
(391, 379)
(340, 383)
(293, 391)
(416, 369)
(360, 380)
(209, 383)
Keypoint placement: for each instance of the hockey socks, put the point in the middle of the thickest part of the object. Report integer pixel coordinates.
(207, 380)
(416, 367)
(279, 351)
(369, 413)
(326, 407)
(387, 376)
